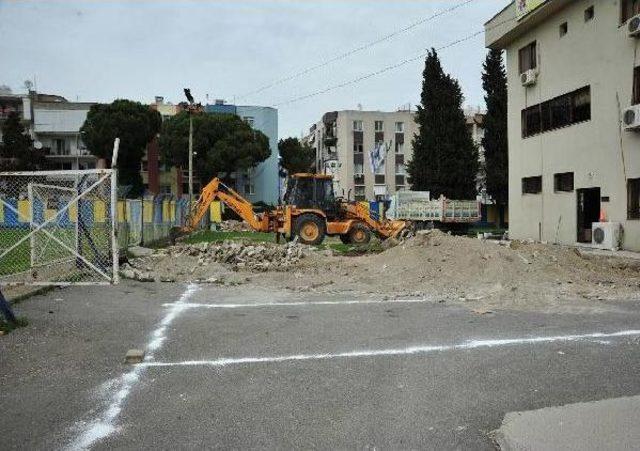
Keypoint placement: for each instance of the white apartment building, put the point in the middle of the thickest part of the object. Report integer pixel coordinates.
(343, 141)
(574, 142)
(56, 127)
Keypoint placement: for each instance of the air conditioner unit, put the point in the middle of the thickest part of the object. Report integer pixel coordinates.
(631, 118)
(529, 77)
(634, 26)
(606, 235)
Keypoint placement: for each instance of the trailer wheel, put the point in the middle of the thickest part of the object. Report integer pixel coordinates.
(310, 229)
(359, 234)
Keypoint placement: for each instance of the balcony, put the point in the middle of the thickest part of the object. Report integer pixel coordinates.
(330, 141)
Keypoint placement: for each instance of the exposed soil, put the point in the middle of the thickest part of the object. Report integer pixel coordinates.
(484, 274)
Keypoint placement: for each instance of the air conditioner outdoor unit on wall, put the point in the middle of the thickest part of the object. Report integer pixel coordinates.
(607, 235)
(631, 118)
(634, 26)
(529, 77)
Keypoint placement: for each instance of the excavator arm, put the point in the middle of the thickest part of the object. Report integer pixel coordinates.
(216, 190)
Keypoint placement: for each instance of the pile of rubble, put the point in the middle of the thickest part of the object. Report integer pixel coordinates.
(245, 255)
(212, 262)
(232, 225)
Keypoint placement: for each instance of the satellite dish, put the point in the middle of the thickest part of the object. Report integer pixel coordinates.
(37, 145)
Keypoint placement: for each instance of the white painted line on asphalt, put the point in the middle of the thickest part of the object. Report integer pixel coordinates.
(302, 304)
(413, 350)
(105, 425)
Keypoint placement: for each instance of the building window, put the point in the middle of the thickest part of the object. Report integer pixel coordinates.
(165, 189)
(144, 165)
(556, 113)
(379, 126)
(357, 126)
(399, 147)
(358, 147)
(399, 127)
(249, 120)
(61, 147)
(358, 179)
(400, 167)
(532, 185)
(399, 180)
(358, 168)
(630, 8)
(379, 179)
(563, 182)
(359, 193)
(636, 86)
(249, 188)
(589, 13)
(564, 29)
(633, 199)
(528, 57)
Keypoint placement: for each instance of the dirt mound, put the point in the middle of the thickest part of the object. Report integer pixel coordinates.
(497, 274)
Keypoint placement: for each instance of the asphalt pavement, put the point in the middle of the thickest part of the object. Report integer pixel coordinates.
(224, 370)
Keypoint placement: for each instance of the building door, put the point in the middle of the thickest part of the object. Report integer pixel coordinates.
(588, 212)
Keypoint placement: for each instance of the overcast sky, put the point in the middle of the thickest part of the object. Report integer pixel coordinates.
(100, 51)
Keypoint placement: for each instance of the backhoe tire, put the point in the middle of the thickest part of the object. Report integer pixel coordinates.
(310, 229)
(359, 234)
(346, 239)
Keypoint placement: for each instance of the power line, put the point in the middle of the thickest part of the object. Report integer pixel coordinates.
(353, 51)
(387, 68)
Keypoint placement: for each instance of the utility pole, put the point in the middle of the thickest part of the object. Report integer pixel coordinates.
(187, 93)
(190, 157)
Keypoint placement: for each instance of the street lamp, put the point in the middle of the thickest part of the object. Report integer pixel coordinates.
(187, 93)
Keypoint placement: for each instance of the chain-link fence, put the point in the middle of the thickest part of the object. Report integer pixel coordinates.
(58, 228)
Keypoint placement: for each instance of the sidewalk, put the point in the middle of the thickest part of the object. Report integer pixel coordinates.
(612, 424)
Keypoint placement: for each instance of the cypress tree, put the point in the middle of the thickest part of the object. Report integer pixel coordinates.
(495, 141)
(445, 158)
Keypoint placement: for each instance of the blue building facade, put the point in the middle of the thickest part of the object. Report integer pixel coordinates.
(261, 184)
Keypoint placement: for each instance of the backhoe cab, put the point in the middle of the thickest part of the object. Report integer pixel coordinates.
(314, 212)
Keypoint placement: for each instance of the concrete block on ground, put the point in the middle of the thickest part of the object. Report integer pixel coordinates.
(134, 356)
(611, 424)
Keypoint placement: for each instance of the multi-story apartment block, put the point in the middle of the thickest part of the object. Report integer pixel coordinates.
(343, 141)
(574, 116)
(262, 183)
(56, 127)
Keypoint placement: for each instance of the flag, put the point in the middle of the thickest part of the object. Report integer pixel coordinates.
(378, 155)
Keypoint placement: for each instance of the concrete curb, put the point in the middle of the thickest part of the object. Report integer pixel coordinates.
(612, 424)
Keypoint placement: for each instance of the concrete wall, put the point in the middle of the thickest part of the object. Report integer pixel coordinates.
(600, 54)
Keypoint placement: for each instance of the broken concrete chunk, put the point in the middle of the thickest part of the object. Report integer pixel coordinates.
(139, 251)
(134, 356)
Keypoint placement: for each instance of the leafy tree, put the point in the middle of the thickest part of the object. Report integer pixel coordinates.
(223, 143)
(296, 156)
(16, 151)
(445, 158)
(135, 124)
(495, 141)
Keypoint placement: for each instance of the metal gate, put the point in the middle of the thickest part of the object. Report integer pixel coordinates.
(58, 228)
